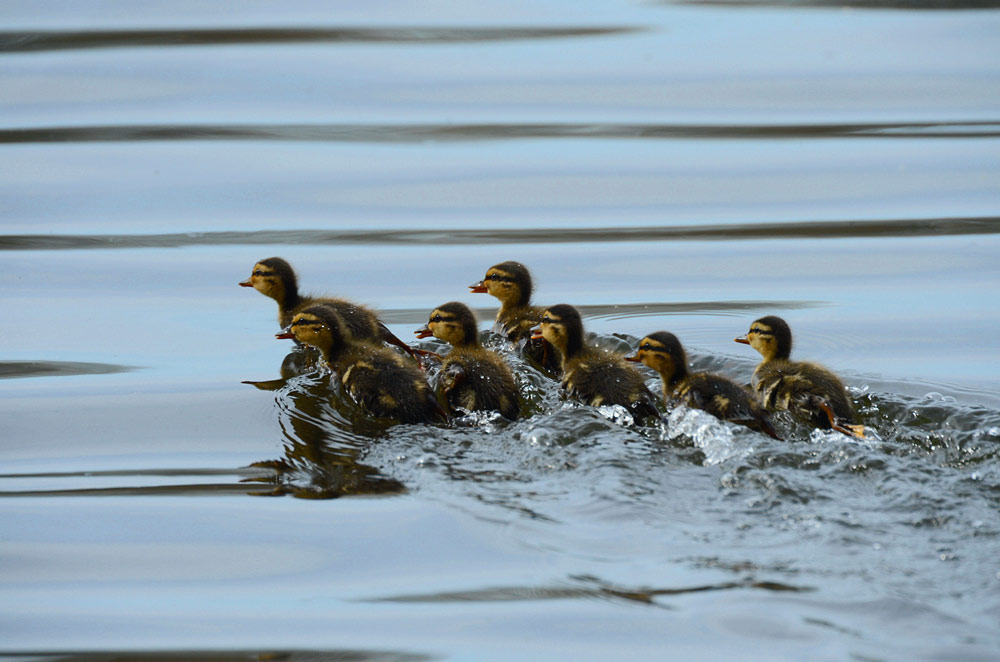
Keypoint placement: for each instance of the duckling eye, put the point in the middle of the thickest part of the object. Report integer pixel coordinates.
(258, 272)
(437, 318)
(645, 346)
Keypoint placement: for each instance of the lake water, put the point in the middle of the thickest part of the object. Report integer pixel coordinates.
(661, 165)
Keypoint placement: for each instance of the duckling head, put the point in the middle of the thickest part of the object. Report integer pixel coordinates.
(562, 327)
(510, 282)
(454, 323)
(275, 278)
(663, 352)
(770, 336)
(320, 327)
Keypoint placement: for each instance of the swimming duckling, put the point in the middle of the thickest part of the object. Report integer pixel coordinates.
(722, 398)
(510, 282)
(275, 278)
(472, 377)
(591, 375)
(381, 381)
(808, 390)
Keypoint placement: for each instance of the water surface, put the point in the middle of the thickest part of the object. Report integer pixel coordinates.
(685, 166)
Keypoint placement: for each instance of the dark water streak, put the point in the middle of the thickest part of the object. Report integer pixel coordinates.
(929, 227)
(276, 655)
(50, 40)
(640, 595)
(905, 5)
(410, 133)
(17, 369)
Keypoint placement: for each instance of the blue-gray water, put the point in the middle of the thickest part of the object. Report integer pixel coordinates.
(680, 166)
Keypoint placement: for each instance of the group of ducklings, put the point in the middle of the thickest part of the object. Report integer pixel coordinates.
(352, 341)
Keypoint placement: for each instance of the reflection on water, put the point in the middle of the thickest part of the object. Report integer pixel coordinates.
(324, 437)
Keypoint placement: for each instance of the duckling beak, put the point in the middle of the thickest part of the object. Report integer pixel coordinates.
(245, 283)
(285, 335)
(478, 288)
(424, 332)
(633, 359)
(742, 340)
(536, 333)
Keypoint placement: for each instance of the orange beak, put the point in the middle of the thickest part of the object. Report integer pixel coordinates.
(536, 333)
(633, 359)
(424, 331)
(742, 340)
(246, 283)
(285, 335)
(478, 288)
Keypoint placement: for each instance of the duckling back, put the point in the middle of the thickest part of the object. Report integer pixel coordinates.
(726, 400)
(476, 379)
(601, 378)
(805, 389)
(360, 321)
(385, 384)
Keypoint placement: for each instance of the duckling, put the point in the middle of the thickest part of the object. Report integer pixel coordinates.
(472, 377)
(510, 282)
(275, 278)
(381, 381)
(722, 398)
(591, 375)
(809, 391)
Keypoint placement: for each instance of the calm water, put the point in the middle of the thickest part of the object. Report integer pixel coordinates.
(681, 166)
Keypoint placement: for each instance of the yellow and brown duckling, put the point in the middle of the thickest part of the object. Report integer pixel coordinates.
(510, 282)
(807, 390)
(591, 375)
(472, 377)
(721, 397)
(275, 278)
(382, 382)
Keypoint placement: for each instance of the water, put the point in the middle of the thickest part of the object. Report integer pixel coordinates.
(679, 166)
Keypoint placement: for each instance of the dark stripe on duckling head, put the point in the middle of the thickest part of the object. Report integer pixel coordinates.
(777, 328)
(286, 275)
(458, 313)
(513, 272)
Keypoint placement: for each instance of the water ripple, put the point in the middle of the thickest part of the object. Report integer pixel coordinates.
(410, 133)
(46, 40)
(430, 237)
(15, 369)
(906, 5)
